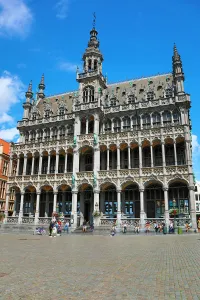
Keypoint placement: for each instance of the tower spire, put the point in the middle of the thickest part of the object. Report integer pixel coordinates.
(177, 68)
(94, 20)
(29, 93)
(41, 88)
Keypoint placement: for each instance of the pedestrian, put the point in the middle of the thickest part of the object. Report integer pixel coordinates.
(51, 227)
(171, 227)
(84, 226)
(66, 228)
(156, 227)
(147, 227)
(198, 224)
(124, 228)
(54, 231)
(137, 228)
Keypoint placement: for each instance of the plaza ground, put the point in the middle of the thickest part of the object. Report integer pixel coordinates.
(99, 267)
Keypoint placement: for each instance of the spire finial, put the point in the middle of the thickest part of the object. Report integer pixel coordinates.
(42, 79)
(94, 20)
(30, 87)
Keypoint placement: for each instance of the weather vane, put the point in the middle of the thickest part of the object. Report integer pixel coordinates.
(94, 20)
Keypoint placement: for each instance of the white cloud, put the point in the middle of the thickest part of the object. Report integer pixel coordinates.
(9, 134)
(196, 156)
(67, 66)
(15, 18)
(11, 91)
(195, 145)
(5, 118)
(62, 7)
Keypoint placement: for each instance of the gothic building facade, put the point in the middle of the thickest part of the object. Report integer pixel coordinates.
(120, 151)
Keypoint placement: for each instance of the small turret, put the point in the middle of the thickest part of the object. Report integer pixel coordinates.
(27, 104)
(177, 72)
(29, 93)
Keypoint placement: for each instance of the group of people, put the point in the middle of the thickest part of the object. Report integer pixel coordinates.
(55, 227)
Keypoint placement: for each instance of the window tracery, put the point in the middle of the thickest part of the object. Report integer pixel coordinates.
(88, 94)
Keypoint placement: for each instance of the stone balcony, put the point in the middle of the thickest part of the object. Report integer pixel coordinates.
(103, 175)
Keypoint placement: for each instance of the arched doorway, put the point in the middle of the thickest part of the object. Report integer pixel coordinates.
(108, 200)
(154, 204)
(29, 201)
(64, 200)
(46, 201)
(178, 196)
(15, 196)
(86, 159)
(130, 200)
(85, 201)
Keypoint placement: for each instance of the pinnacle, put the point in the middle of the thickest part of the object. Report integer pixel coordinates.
(30, 87)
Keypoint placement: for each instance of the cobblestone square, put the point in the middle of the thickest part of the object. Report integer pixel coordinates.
(99, 267)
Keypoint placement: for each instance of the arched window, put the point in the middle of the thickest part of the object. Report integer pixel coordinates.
(40, 135)
(47, 134)
(107, 126)
(150, 96)
(33, 136)
(62, 132)
(146, 121)
(167, 118)
(54, 133)
(157, 156)
(176, 117)
(168, 93)
(47, 113)
(89, 65)
(169, 155)
(156, 119)
(26, 137)
(126, 124)
(180, 150)
(117, 125)
(70, 129)
(113, 101)
(88, 94)
(83, 125)
(95, 64)
(136, 123)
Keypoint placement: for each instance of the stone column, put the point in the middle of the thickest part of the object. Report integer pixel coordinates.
(21, 212)
(40, 164)
(75, 161)
(102, 202)
(18, 161)
(10, 167)
(86, 131)
(65, 171)
(24, 166)
(47, 205)
(142, 213)
(129, 157)
(192, 207)
(118, 207)
(163, 154)
(32, 205)
(63, 202)
(175, 154)
(7, 205)
(96, 124)
(37, 210)
(32, 167)
(140, 156)
(108, 153)
(165, 189)
(151, 148)
(96, 160)
(55, 193)
(96, 200)
(48, 165)
(74, 208)
(57, 162)
(118, 158)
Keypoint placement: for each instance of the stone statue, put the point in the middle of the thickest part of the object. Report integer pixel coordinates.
(95, 180)
(74, 141)
(95, 139)
(73, 179)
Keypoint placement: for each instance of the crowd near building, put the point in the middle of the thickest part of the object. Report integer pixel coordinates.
(120, 151)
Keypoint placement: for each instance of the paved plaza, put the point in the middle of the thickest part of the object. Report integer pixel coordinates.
(99, 267)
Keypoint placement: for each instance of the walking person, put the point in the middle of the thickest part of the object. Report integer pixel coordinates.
(124, 228)
(66, 228)
(84, 226)
(198, 224)
(156, 227)
(51, 227)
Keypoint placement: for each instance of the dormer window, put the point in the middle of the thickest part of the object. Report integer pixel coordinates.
(95, 64)
(47, 114)
(88, 94)
(34, 116)
(113, 102)
(168, 93)
(150, 96)
(61, 111)
(131, 99)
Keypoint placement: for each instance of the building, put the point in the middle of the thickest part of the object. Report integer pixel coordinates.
(122, 149)
(197, 198)
(4, 167)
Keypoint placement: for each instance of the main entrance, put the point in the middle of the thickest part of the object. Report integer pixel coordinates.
(86, 202)
(87, 211)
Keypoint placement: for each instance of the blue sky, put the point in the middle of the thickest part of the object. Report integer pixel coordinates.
(136, 38)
